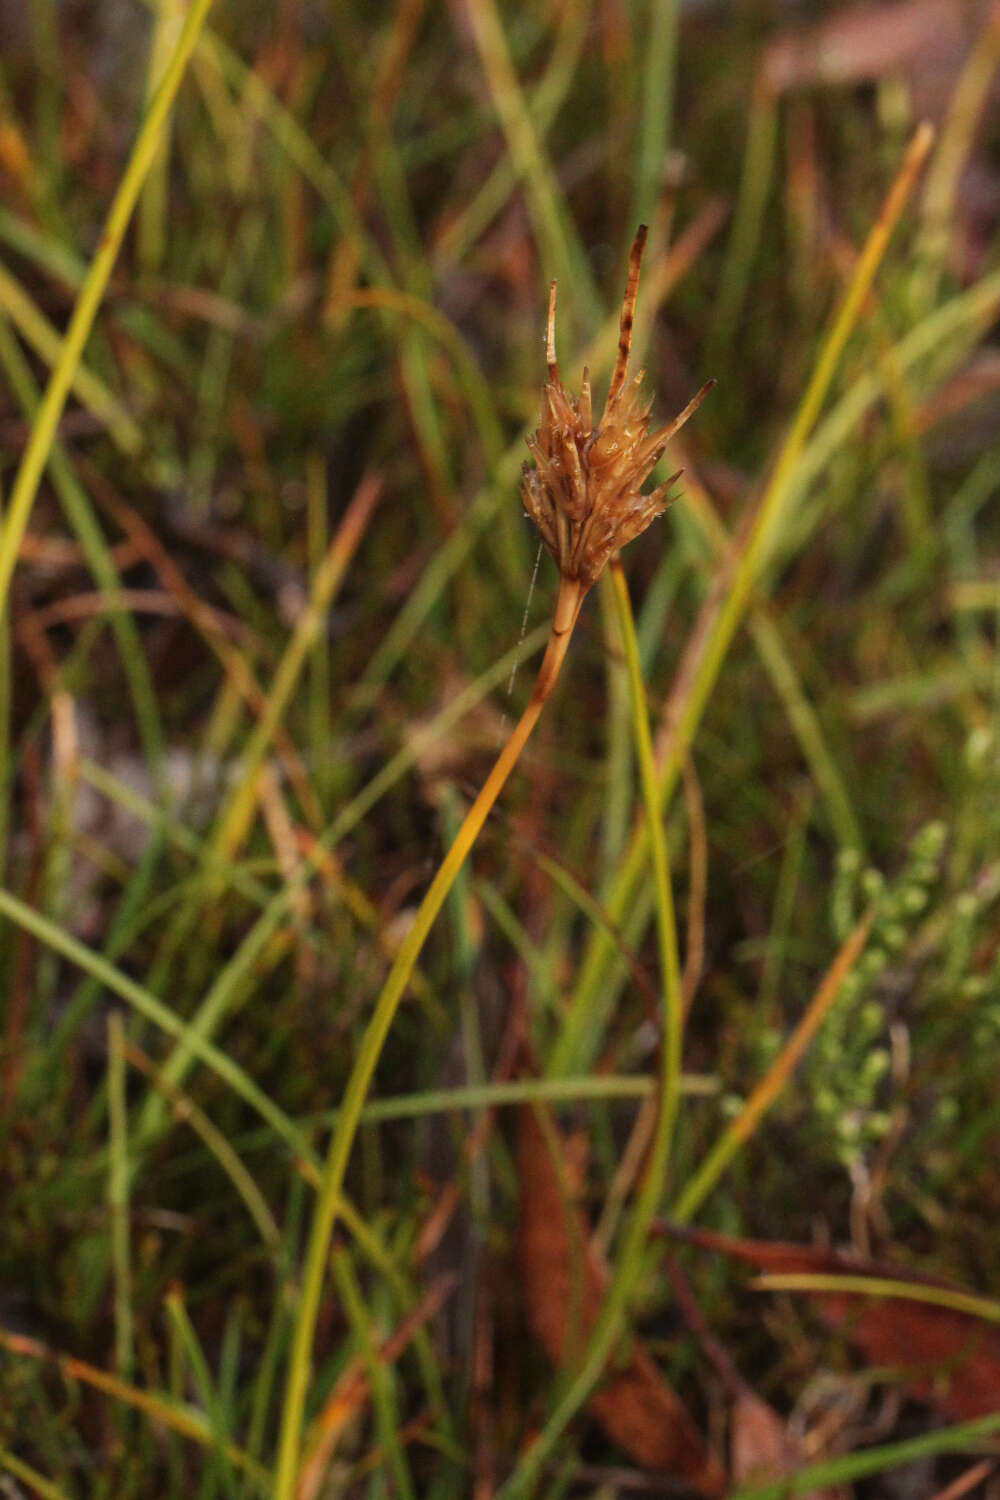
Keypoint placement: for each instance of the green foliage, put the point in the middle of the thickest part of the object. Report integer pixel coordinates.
(847, 1078)
(218, 811)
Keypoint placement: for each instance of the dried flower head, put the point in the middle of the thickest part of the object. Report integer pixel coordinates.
(585, 492)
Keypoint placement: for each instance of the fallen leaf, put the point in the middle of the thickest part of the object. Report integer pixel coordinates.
(565, 1281)
(949, 1359)
(866, 42)
(759, 1445)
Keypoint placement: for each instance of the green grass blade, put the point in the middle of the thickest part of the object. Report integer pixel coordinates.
(44, 430)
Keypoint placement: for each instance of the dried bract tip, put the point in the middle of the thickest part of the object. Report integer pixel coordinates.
(550, 336)
(585, 492)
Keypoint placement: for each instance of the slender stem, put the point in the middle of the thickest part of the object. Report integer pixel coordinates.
(873, 1285)
(118, 1196)
(744, 238)
(328, 1202)
(672, 993)
(657, 107)
(609, 1323)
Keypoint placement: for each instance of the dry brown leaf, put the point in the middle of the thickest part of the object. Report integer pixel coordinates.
(761, 1447)
(866, 42)
(959, 1355)
(951, 1360)
(564, 1285)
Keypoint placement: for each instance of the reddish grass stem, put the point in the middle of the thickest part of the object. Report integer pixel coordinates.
(328, 1200)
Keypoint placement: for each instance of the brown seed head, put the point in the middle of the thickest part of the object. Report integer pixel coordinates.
(585, 492)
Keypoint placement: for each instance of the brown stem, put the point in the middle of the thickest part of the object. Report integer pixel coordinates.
(568, 602)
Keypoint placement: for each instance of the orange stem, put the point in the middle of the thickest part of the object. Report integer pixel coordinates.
(571, 592)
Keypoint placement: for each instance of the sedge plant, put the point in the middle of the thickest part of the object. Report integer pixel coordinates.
(585, 496)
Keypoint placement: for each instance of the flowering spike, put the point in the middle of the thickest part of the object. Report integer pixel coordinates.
(585, 492)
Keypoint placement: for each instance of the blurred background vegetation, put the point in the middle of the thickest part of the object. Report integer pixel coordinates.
(271, 594)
